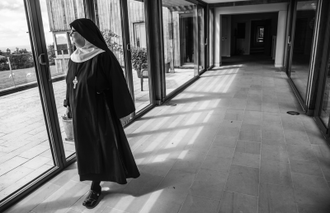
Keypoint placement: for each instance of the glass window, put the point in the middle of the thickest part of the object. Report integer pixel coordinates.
(180, 35)
(325, 110)
(211, 38)
(302, 46)
(260, 34)
(25, 151)
(139, 53)
(62, 47)
(201, 35)
(109, 20)
(56, 18)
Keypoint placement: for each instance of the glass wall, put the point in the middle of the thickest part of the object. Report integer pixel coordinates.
(210, 41)
(56, 18)
(139, 53)
(325, 109)
(302, 46)
(201, 40)
(109, 19)
(180, 40)
(25, 150)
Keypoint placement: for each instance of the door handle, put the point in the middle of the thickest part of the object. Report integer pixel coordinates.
(41, 59)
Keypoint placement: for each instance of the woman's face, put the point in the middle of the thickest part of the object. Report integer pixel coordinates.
(76, 38)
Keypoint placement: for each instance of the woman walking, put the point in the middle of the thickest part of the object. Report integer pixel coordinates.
(97, 98)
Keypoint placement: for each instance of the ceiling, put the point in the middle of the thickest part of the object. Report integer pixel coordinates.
(176, 3)
(221, 1)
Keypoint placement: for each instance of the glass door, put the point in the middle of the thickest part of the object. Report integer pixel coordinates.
(27, 129)
(180, 36)
(137, 47)
(322, 109)
(211, 38)
(201, 40)
(56, 17)
(301, 49)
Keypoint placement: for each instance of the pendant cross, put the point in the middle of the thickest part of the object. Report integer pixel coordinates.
(75, 82)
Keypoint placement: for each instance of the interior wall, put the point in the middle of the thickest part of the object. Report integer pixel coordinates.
(281, 8)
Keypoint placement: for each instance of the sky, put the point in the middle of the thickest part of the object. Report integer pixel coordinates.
(13, 25)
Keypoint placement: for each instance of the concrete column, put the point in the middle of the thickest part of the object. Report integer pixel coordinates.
(280, 39)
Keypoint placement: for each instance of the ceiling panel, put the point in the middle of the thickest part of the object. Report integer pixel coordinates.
(222, 1)
(177, 3)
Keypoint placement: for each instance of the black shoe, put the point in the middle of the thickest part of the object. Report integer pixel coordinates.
(92, 199)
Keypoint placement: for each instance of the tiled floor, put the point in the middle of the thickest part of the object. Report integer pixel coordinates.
(225, 144)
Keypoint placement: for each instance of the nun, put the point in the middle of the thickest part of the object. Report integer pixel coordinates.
(97, 98)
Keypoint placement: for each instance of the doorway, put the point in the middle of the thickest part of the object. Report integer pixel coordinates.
(260, 37)
(187, 39)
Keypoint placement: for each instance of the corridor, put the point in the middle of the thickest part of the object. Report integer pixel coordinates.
(224, 144)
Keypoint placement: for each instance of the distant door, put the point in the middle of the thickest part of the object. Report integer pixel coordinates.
(140, 37)
(260, 39)
(186, 39)
(225, 35)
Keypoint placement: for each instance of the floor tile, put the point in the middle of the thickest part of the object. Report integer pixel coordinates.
(276, 198)
(279, 153)
(243, 180)
(319, 208)
(248, 147)
(199, 204)
(234, 115)
(312, 196)
(222, 151)
(275, 172)
(270, 106)
(237, 202)
(301, 152)
(189, 160)
(253, 105)
(252, 117)
(271, 119)
(225, 141)
(217, 162)
(302, 180)
(250, 132)
(246, 159)
(306, 167)
(272, 135)
(229, 128)
(295, 137)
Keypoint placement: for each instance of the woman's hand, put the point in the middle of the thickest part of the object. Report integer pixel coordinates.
(125, 120)
(68, 112)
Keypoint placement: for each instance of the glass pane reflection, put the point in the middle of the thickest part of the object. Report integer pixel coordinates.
(25, 151)
(56, 18)
(139, 57)
(180, 36)
(325, 110)
(303, 39)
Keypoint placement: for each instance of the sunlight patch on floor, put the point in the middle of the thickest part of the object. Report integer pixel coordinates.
(124, 202)
(228, 84)
(154, 144)
(149, 204)
(183, 154)
(177, 139)
(193, 139)
(161, 158)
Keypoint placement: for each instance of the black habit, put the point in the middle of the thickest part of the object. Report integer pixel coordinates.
(100, 98)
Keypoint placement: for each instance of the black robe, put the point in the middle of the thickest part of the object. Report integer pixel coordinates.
(100, 98)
